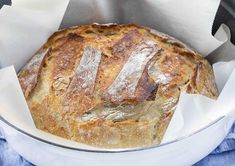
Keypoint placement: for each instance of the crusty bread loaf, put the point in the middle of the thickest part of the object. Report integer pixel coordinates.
(112, 85)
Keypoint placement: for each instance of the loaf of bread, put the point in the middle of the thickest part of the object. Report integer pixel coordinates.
(112, 86)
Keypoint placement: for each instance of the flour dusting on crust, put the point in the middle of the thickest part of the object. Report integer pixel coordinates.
(124, 86)
(31, 71)
(83, 81)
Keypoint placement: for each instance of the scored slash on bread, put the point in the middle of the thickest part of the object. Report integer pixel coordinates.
(125, 84)
(83, 82)
(112, 85)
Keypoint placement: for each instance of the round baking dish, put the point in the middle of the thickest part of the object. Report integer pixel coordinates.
(183, 151)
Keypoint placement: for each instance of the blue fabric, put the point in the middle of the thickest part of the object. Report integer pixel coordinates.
(223, 155)
(8, 157)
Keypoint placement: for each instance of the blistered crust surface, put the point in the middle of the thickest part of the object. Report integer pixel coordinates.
(112, 85)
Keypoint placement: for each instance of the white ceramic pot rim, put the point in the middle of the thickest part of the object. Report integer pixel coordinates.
(110, 151)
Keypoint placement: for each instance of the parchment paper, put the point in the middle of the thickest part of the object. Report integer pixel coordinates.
(26, 26)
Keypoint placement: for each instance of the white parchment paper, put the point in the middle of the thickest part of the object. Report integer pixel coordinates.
(27, 24)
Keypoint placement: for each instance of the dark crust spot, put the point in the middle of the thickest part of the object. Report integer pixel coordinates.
(89, 31)
(194, 77)
(147, 88)
(74, 36)
(124, 44)
(191, 88)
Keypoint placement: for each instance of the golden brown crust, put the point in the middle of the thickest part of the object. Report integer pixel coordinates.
(112, 86)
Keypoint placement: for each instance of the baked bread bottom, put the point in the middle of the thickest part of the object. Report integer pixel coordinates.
(112, 86)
